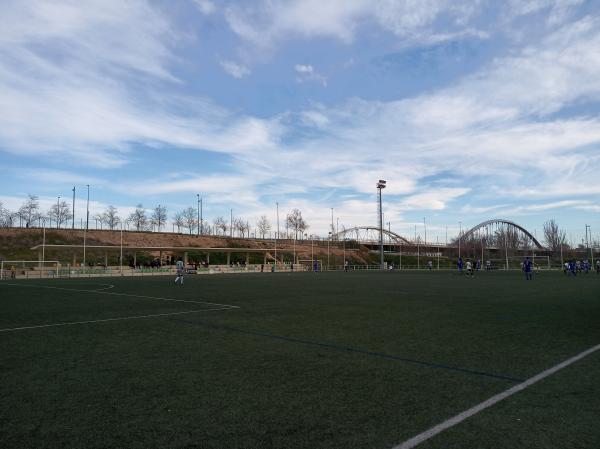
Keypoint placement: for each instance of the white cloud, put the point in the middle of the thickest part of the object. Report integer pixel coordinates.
(234, 69)
(307, 72)
(206, 7)
(265, 24)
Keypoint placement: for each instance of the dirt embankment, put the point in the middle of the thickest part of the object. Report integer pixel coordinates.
(15, 243)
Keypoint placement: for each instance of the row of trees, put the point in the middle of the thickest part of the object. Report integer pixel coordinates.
(30, 214)
(141, 219)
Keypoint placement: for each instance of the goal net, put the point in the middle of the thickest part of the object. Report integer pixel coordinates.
(29, 269)
(308, 265)
(515, 263)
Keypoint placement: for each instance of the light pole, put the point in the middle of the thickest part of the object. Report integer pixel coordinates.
(231, 223)
(87, 222)
(328, 240)
(73, 207)
(332, 228)
(277, 233)
(591, 248)
(425, 229)
(58, 214)
(459, 233)
(380, 186)
(198, 211)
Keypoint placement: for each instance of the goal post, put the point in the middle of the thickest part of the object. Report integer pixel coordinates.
(514, 262)
(307, 264)
(13, 269)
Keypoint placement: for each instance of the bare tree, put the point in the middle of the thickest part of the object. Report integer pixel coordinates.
(4, 216)
(60, 213)
(296, 222)
(111, 217)
(138, 218)
(241, 226)
(159, 217)
(178, 221)
(190, 219)
(263, 226)
(554, 236)
(220, 225)
(30, 210)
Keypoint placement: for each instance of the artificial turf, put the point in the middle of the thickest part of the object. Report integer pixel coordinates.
(326, 360)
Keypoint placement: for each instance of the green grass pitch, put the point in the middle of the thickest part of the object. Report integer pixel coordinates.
(327, 360)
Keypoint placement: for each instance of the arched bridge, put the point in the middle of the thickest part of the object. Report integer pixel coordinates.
(370, 234)
(499, 222)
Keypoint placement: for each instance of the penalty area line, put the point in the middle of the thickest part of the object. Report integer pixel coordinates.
(130, 295)
(408, 444)
(136, 317)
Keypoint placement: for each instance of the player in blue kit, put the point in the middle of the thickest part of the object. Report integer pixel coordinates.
(528, 269)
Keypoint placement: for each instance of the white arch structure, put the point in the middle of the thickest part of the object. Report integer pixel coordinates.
(501, 221)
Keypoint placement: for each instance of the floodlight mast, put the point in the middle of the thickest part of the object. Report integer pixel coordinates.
(380, 186)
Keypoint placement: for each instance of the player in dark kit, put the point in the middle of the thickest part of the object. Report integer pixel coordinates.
(528, 269)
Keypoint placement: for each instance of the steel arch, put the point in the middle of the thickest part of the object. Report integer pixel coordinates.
(392, 235)
(471, 231)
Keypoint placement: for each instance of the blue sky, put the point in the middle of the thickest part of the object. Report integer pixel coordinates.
(469, 109)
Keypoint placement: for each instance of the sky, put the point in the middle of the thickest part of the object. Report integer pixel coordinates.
(470, 110)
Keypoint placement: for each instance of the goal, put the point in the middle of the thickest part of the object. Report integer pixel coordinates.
(307, 264)
(29, 269)
(514, 263)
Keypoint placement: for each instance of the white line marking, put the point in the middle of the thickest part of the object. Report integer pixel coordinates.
(107, 287)
(109, 319)
(408, 444)
(124, 294)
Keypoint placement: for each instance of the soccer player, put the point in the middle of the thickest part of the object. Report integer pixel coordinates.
(598, 267)
(315, 265)
(470, 268)
(346, 266)
(459, 264)
(488, 265)
(528, 269)
(180, 270)
(430, 265)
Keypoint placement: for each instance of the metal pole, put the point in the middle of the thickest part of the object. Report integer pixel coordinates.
(425, 229)
(198, 213)
(328, 239)
(231, 223)
(381, 261)
(437, 241)
(459, 233)
(332, 228)
(201, 219)
(44, 246)
(58, 213)
(87, 222)
(506, 249)
(591, 246)
(73, 207)
(121, 256)
(277, 233)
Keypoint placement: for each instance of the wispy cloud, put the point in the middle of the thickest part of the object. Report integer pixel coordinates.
(235, 69)
(307, 72)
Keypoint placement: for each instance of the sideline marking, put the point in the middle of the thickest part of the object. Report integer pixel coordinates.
(408, 444)
(124, 294)
(13, 329)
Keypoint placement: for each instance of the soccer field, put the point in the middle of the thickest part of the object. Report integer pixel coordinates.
(302, 360)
